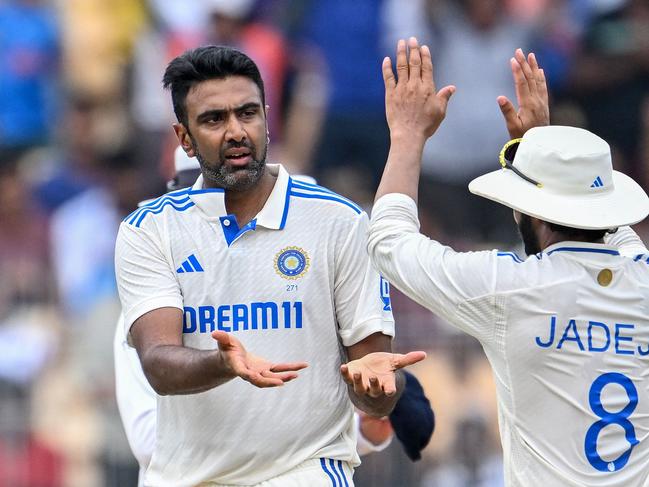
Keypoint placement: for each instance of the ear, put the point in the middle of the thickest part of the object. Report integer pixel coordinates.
(184, 139)
(266, 109)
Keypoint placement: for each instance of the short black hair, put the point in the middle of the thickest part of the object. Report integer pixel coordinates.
(580, 234)
(205, 63)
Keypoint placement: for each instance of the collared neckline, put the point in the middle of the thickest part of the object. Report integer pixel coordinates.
(582, 249)
(273, 214)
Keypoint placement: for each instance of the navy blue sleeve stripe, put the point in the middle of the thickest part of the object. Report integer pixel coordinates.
(328, 197)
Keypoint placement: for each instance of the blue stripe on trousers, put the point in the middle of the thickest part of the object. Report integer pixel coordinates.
(323, 464)
(332, 464)
(342, 472)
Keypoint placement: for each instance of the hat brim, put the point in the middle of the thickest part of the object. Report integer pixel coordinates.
(625, 205)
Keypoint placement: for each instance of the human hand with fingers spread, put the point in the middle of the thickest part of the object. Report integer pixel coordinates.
(256, 370)
(373, 375)
(413, 106)
(414, 109)
(531, 93)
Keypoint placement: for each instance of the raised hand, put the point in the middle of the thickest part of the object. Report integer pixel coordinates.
(373, 375)
(413, 106)
(256, 370)
(531, 93)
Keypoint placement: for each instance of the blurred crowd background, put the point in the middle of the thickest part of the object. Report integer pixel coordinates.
(85, 133)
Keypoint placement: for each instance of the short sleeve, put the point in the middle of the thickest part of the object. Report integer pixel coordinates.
(145, 278)
(362, 296)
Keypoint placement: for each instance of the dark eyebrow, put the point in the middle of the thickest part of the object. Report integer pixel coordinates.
(248, 106)
(206, 115)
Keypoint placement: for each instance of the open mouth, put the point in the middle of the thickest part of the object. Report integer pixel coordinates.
(238, 156)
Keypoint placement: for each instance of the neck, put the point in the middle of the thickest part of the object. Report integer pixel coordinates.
(246, 204)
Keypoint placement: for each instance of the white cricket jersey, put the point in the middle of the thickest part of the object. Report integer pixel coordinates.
(294, 284)
(136, 400)
(567, 335)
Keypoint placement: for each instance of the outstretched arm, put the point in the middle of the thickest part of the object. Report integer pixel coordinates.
(414, 110)
(172, 368)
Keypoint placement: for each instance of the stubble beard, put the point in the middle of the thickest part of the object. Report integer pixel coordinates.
(233, 179)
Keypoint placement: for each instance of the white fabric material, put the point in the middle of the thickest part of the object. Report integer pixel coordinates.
(579, 187)
(554, 338)
(627, 242)
(136, 400)
(236, 433)
(321, 472)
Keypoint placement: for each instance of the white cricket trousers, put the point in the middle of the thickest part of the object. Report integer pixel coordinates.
(317, 472)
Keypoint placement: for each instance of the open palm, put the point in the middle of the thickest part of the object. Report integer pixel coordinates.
(373, 374)
(256, 370)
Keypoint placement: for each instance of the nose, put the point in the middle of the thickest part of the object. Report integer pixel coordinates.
(234, 129)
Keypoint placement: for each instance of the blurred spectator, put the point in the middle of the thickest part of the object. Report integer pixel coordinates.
(29, 62)
(472, 462)
(28, 333)
(346, 35)
(557, 34)
(470, 41)
(98, 37)
(82, 243)
(66, 172)
(24, 259)
(24, 460)
(610, 80)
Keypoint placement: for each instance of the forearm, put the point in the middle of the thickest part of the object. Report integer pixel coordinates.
(173, 369)
(380, 406)
(401, 173)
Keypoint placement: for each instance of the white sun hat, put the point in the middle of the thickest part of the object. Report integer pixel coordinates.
(564, 175)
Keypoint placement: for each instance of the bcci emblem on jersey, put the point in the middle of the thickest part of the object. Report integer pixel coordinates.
(292, 262)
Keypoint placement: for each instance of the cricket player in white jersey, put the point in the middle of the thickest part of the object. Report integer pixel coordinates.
(412, 419)
(249, 256)
(566, 330)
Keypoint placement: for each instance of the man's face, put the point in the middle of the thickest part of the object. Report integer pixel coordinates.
(227, 132)
(526, 230)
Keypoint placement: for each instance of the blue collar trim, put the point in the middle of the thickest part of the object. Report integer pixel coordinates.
(584, 249)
